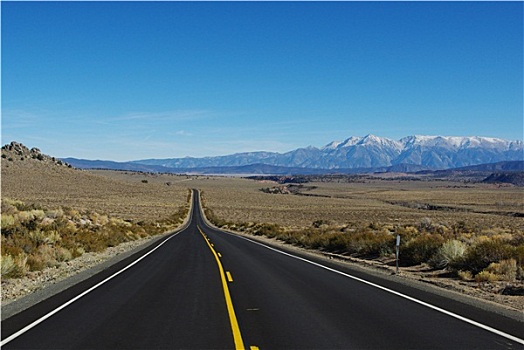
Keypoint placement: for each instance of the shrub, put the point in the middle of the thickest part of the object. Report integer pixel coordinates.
(33, 238)
(505, 270)
(38, 214)
(319, 223)
(371, 243)
(55, 213)
(269, 230)
(462, 227)
(35, 263)
(486, 276)
(337, 243)
(425, 225)
(420, 249)
(37, 237)
(7, 265)
(52, 238)
(407, 232)
(465, 275)
(13, 267)
(480, 256)
(450, 252)
(47, 255)
(8, 221)
(62, 254)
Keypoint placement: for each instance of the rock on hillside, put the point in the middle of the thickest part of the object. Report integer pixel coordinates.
(17, 152)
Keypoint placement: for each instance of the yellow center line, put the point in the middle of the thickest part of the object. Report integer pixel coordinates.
(237, 337)
(219, 255)
(229, 277)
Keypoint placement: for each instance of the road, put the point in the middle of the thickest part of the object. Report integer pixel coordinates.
(202, 288)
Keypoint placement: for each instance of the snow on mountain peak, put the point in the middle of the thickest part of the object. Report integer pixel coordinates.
(456, 142)
(370, 151)
(331, 145)
(353, 140)
(380, 142)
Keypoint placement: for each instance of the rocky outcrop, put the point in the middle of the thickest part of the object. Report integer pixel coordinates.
(15, 152)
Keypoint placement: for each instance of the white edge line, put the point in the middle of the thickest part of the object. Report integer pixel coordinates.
(63, 306)
(436, 308)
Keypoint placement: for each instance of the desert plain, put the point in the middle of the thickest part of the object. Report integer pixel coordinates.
(325, 214)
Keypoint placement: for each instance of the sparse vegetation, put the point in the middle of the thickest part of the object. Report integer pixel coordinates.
(34, 238)
(462, 229)
(473, 231)
(52, 213)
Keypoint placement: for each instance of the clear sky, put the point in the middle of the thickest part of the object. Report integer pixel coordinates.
(134, 80)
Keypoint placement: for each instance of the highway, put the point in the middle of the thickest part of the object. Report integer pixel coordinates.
(202, 288)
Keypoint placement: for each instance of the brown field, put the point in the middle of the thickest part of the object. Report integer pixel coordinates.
(485, 207)
(119, 194)
(141, 196)
(485, 222)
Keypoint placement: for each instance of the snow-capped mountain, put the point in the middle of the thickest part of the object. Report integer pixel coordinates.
(431, 152)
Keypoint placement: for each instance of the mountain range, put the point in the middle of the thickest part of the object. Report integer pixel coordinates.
(369, 153)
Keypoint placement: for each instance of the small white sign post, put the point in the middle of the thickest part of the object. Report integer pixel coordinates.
(397, 251)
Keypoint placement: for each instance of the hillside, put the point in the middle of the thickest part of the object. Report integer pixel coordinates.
(33, 177)
(57, 220)
(514, 178)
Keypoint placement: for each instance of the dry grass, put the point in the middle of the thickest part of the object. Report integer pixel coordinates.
(240, 200)
(34, 238)
(52, 213)
(112, 193)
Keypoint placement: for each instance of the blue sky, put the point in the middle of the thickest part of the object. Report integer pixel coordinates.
(135, 80)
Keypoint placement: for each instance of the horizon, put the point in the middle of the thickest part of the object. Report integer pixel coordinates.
(276, 152)
(125, 81)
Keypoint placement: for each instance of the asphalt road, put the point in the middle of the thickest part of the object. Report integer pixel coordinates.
(206, 289)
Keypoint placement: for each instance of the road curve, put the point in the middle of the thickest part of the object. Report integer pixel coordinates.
(203, 288)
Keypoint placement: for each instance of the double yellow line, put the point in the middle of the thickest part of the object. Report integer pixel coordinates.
(237, 336)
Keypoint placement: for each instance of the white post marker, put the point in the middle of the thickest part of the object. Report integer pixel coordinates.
(397, 251)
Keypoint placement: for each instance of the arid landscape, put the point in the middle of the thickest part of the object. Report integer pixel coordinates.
(262, 175)
(53, 213)
(462, 235)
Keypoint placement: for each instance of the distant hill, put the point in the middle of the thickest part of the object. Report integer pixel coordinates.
(499, 166)
(481, 172)
(480, 168)
(514, 178)
(111, 165)
(251, 169)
